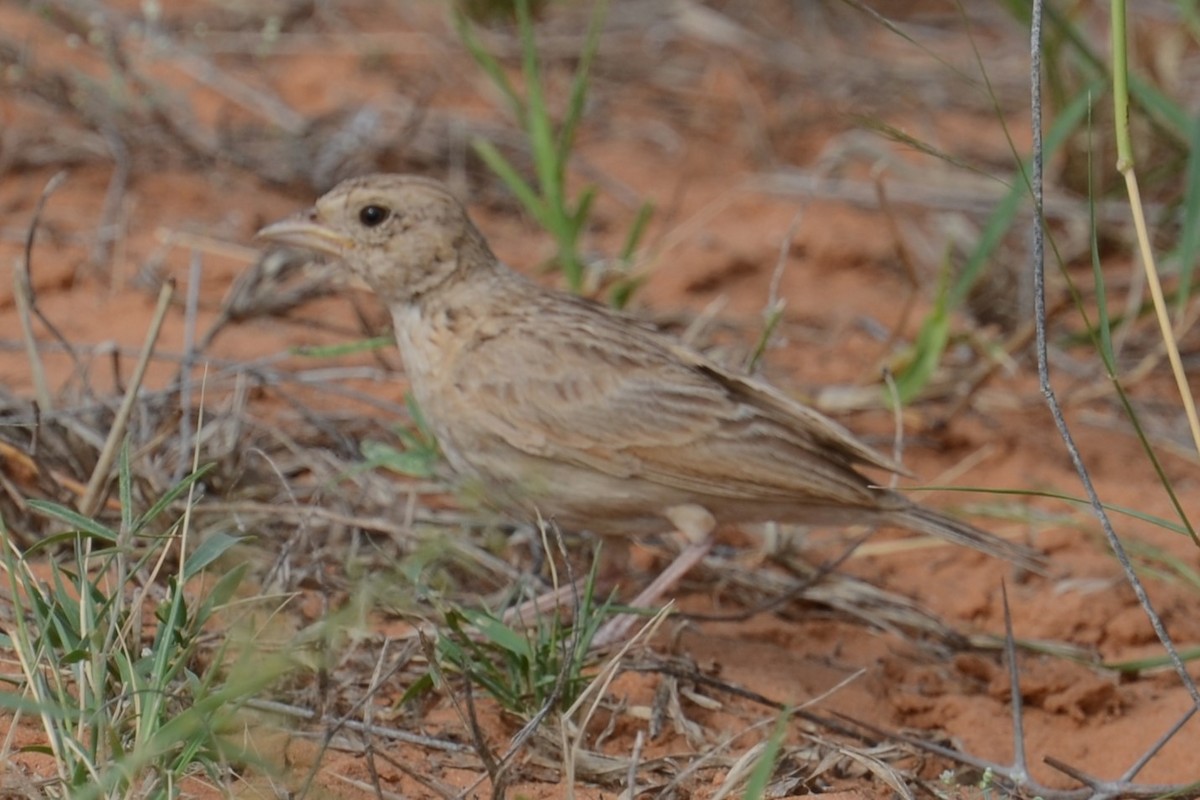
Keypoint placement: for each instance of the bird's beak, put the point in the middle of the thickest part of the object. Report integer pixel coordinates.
(305, 231)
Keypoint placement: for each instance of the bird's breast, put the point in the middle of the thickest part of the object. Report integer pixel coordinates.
(423, 343)
(431, 343)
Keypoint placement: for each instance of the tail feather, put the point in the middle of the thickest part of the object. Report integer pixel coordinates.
(924, 520)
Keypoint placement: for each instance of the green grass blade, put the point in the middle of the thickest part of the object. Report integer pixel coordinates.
(1130, 411)
(898, 136)
(1152, 662)
(347, 349)
(222, 591)
(1168, 116)
(500, 634)
(125, 487)
(583, 209)
(1160, 107)
(1003, 218)
(579, 83)
(1127, 511)
(418, 688)
(927, 349)
(949, 65)
(212, 548)
(1155, 462)
(1189, 242)
(760, 346)
(171, 495)
(12, 701)
(412, 462)
(1103, 322)
(488, 63)
(1165, 564)
(73, 518)
(756, 787)
(538, 126)
(622, 291)
(513, 180)
(637, 231)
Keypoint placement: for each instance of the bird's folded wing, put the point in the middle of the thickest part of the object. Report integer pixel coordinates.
(659, 414)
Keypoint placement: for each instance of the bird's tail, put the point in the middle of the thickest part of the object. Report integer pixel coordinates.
(924, 520)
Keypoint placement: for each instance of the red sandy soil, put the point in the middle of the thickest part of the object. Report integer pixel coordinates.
(692, 122)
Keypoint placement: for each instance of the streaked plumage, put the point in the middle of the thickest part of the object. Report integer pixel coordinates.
(559, 405)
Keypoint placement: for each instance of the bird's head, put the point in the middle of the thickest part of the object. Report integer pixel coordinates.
(399, 235)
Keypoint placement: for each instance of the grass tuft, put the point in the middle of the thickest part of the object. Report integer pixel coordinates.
(548, 199)
(108, 650)
(524, 669)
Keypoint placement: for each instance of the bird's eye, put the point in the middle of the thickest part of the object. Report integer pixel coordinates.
(373, 215)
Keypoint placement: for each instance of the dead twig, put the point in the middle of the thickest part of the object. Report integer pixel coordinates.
(89, 504)
(27, 304)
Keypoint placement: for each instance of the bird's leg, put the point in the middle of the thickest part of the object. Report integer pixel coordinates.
(695, 523)
(544, 603)
(615, 562)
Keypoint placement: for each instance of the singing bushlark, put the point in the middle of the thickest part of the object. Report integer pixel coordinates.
(560, 407)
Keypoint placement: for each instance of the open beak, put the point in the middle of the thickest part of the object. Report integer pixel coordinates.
(304, 231)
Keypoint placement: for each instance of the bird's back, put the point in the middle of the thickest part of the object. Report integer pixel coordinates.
(560, 399)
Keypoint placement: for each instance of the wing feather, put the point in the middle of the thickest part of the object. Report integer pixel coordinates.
(630, 402)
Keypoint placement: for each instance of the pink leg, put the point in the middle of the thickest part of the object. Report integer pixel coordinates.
(543, 604)
(617, 628)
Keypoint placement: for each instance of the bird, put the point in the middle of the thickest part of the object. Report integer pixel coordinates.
(560, 408)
